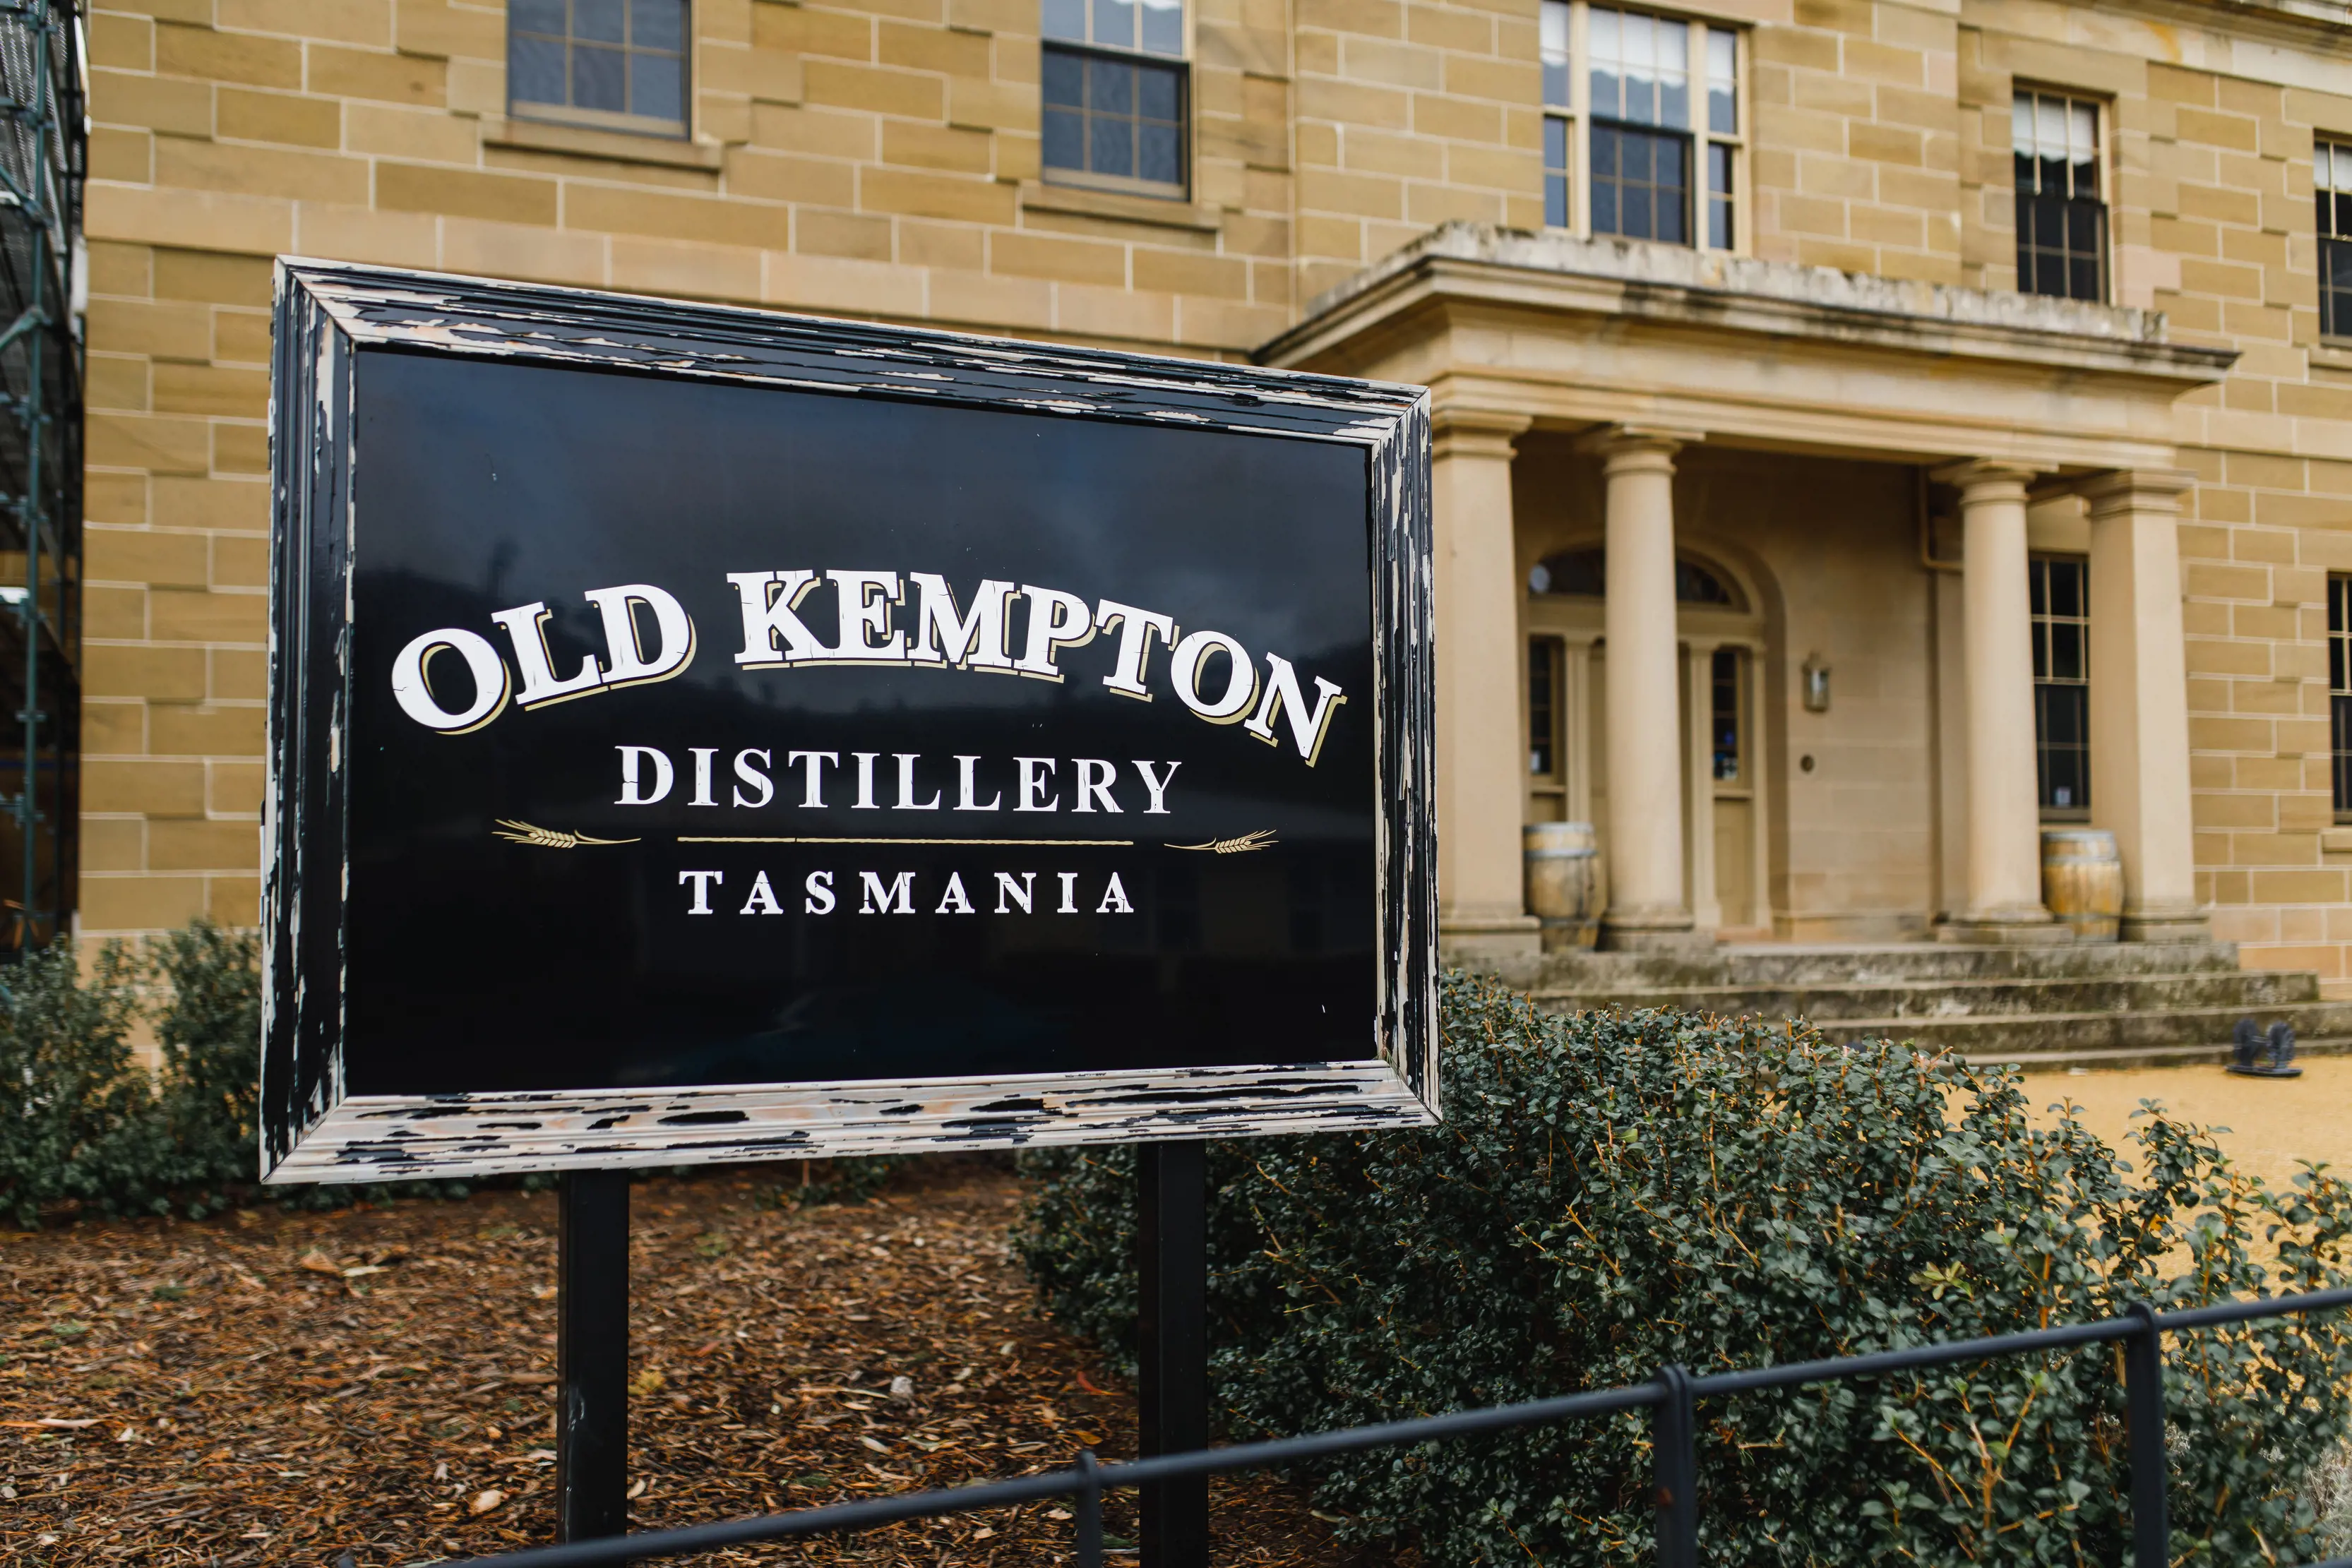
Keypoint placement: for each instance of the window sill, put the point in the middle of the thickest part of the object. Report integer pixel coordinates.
(2332, 354)
(614, 146)
(1166, 212)
(2336, 841)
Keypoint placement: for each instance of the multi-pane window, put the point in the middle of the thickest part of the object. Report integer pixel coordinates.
(1653, 119)
(1114, 94)
(1724, 687)
(2339, 689)
(2061, 680)
(1543, 707)
(618, 64)
(2061, 210)
(1560, 100)
(1640, 102)
(2331, 177)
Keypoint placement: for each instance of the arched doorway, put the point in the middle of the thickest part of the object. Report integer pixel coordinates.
(1720, 625)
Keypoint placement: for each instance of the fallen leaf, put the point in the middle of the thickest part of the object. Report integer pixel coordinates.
(317, 1262)
(637, 1487)
(877, 1448)
(371, 1269)
(486, 1499)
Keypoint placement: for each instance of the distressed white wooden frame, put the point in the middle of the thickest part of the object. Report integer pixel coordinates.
(330, 315)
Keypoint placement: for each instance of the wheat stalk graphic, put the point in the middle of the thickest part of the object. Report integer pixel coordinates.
(548, 837)
(1243, 845)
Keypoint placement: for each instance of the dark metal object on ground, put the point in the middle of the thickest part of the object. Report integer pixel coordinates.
(2141, 1327)
(592, 1356)
(1172, 1345)
(2265, 1056)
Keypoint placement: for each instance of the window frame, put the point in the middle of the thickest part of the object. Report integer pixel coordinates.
(542, 113)
(2102, 159)
(2339, 694)
(1577, 117)
(2336, 152)
(1181, 65)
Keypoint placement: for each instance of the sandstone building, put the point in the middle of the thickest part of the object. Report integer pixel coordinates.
(1932, 418)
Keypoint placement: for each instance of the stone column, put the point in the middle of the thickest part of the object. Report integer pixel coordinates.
(2002, 902)
(2139, 700)
(1481, 750)
(1646, 907)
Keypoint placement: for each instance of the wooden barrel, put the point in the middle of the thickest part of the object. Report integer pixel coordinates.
(1562, 891)
(2082, 880)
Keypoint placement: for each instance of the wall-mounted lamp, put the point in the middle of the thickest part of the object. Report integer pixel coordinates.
(1817, 685)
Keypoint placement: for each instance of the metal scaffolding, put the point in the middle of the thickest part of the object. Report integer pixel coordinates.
(44, 139)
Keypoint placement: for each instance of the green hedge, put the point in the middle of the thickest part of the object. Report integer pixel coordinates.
(81, 1124)
(1609, 1193)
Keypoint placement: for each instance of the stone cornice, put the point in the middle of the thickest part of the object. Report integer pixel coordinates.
(2298, 23)
(1742, 296)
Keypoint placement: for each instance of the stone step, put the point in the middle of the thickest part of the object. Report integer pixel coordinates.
(2147, 1056)
(2067, 1034)
(1789, 964)
(2246, 990)
(2103, 1039)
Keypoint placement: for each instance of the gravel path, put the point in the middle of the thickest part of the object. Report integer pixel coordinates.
(2273, 1123)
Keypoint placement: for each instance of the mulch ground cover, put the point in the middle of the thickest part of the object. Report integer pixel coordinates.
(279, 1388)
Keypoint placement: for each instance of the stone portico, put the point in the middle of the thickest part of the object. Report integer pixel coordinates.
(1676, 490)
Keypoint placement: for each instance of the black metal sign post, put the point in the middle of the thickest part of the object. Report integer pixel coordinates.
(591, 1355)
(1172, 1345)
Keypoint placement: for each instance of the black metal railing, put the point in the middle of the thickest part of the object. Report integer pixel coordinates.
(1670, 1396)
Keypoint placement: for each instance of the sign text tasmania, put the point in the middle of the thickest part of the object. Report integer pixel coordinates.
(707, 735)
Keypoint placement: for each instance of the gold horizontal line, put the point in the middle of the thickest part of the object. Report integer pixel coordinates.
(1016, 844)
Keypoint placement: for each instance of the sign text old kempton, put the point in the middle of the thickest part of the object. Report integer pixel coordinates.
(699, 734)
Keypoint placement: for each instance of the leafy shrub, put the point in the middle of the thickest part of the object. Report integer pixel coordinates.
(77, 1121)
(81, 1123)
(1609, 1193)
(209, 1029)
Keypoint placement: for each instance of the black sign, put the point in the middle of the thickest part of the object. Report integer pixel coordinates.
(706, 735)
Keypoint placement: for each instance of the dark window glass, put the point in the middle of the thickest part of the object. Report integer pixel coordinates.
(2339, 688)
(1723, 682)
(1556, 171)
(2332, 176)
(617, 62)
(1585, 574)
(1552, 47)
(1543, 709)
(535, 70)
(2062, 212)
(601, 20)
(599, 79)
(1719, 194)
(2059, 598)
(1641, 184)
(1120, 120)
(1114, 112)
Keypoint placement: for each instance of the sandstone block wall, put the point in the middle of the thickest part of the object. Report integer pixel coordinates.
(880, 158)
